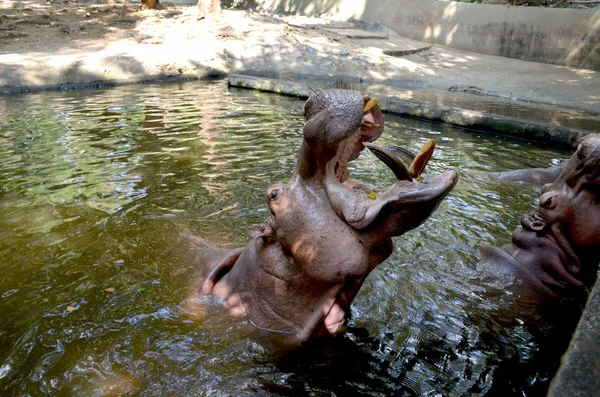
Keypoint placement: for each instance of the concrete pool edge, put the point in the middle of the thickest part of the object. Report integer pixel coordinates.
(576, 377)
(200, 74)
(473, 120)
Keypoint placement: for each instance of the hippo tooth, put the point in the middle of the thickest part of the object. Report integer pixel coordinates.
(370, 125)
(368, 119)
(422, 158)
(369, 103)
(393, 161)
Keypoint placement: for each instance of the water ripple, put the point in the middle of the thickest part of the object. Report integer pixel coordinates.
(96, 187)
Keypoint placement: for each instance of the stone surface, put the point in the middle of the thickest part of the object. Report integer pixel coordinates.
(561, 36)
(398, 46)
(359, 34)
(118, 43)
(579, 373)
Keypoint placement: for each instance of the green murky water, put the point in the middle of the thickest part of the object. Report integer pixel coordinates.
(96, 187)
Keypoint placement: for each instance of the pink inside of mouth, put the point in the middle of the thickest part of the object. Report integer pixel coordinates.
(350, 149)
(369, 118)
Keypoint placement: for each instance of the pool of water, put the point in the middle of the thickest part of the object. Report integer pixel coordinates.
(97, 186)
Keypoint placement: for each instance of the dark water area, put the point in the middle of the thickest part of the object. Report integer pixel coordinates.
(96, 293)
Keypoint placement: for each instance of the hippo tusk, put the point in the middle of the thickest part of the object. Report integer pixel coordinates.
(366, 124)
(398, 158)
(394, 162)
(422, 158)
(370, 103)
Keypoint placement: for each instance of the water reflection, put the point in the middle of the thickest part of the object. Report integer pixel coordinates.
(96, 187)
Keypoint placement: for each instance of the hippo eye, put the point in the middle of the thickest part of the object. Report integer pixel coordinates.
(548, 202)
(273, 194)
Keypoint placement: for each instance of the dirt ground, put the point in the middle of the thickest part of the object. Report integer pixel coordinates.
(140, 41)
(40, 25)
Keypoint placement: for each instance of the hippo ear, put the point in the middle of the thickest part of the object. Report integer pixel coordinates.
(265, 230)
(534, 222)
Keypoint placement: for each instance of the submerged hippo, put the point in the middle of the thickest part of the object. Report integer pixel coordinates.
(304, 266)
(531, 176)
(556, 252)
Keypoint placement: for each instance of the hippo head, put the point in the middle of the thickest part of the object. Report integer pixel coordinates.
(340, 124)
(573, 200)
(569, 209)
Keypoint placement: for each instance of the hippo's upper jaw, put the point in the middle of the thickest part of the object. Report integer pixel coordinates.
(340, 124)
(398, 208)
(337, 121)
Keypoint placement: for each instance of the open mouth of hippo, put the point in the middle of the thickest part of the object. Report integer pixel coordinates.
(360, 205)
(349, 149)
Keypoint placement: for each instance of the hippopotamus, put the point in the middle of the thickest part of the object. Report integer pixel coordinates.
(305, 264)
(555, 253)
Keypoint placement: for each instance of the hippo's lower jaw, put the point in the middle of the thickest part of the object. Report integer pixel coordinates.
(400, 207)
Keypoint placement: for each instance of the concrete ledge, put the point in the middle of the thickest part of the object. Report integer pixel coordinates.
(559, 36)
(96, 82)
(481, 121)
(577, 375)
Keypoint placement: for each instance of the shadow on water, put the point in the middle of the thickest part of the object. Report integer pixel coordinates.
(96, 290)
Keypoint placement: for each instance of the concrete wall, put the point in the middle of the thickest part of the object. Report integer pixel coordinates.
(559, 36)
(579, 374)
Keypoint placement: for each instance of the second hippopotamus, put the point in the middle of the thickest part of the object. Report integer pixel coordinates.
(555, 253)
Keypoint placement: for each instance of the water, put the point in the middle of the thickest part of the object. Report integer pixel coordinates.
(96, 187)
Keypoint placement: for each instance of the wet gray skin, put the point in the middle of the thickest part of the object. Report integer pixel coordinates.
(555, 254)
(306, 263)
(532, 176)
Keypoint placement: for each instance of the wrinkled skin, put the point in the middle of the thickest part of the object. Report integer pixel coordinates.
(303, 267)
(555, 254)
